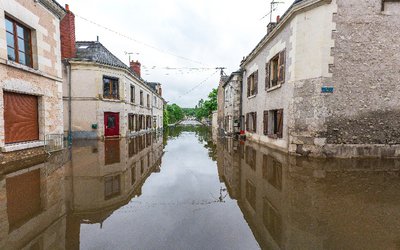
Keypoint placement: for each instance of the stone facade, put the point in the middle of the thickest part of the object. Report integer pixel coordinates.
(232, 90)
(88, 104)
(43, 78)
(337, 96)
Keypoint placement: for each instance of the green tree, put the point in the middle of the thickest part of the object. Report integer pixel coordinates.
(175, 113)
(205, 108)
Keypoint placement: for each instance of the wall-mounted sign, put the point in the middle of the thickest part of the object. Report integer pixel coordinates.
(327, 89)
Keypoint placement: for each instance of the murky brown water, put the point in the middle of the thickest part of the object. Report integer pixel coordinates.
(182, 191)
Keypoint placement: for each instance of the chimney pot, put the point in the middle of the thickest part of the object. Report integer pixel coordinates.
(278, 18)
(67, 7)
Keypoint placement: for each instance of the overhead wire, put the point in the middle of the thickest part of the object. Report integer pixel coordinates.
(139, 42)
(198, 85)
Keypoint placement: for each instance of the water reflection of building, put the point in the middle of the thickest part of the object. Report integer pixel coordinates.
(32, 208)
(292, 203)
(103, 176)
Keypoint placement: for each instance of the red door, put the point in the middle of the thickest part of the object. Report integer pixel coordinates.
(111, 124)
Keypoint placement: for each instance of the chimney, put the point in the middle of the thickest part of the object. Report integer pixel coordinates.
(135, 66)
(160, 91)
(271, 26)
(67, 32)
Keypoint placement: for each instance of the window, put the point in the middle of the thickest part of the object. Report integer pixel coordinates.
(272, 221)
(133, 174)
(131, 122)
(273, 123)
(251, 122)
(141, 98)
(154, 101)
(251, 194)
(19, 43)
(252, 84)
(251, 157)
(132, 94)
(112, 186)
(110, 87)
(148, 100)
(275, 70)
(272, 171)
(384, 2)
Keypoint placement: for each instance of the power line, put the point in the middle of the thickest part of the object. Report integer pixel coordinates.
(140, 42)
(198, 85)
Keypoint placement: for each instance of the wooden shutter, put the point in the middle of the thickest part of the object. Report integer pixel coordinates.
(265, 122)
(281, 74)
(248, 86)
(256, 82)
(279, 114)
(267, 75)
(247, 121)
(255, 122)
(21, 121)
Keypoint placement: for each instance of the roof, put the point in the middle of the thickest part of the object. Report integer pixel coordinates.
(267, 36)
(94, 51)
(238, 72)
(54, 7)
(153, 85)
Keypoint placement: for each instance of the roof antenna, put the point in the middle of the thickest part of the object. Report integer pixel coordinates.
(273, 8)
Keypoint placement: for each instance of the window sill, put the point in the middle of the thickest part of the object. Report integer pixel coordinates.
(275, 137)
(29, 69)
(251, 97)
(21, 146)
(274, 88)
(111, 100)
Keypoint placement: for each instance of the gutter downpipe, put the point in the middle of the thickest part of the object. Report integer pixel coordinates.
(69, 104)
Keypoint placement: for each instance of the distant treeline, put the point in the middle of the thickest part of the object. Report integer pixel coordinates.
(174, 113)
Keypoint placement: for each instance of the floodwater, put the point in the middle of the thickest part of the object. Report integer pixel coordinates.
(184, 190)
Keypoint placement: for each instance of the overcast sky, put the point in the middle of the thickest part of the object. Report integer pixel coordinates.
(208, 33)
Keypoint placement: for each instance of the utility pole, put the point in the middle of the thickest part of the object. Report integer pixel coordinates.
(222, 70)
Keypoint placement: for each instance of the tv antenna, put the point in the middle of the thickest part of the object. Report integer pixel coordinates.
(274, 4)
(130, 53)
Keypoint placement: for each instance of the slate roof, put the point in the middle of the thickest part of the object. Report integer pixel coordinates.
(153, 85)
(96, 52)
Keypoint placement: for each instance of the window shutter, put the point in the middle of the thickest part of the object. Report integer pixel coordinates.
(265, 122)
(256, 82)
(282, 58)
(280, 122)
(255, 122)
(267, 75)
(247, 122)
(248, 86)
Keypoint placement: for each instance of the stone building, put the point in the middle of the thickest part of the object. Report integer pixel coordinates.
(299, 203)
(30, 73)
(323, 80)
(102, 96)
(232, 89)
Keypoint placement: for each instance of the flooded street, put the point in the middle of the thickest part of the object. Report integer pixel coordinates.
(182, 190)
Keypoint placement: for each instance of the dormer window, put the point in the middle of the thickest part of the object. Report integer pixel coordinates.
(19, 43)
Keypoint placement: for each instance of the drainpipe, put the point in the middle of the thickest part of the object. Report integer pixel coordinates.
(241, 101)
(69, 103)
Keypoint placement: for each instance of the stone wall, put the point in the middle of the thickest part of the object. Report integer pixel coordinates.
(365, 107)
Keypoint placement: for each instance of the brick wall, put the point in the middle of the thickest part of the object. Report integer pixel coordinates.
(67, 32)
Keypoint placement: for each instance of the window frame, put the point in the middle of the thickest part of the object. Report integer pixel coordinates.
(132, 92)
(141, 97)
(387, 1)
(273, 127)
(26, 31)
(252, 84)
(275, 71)
(148, 100)
(111, 80)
